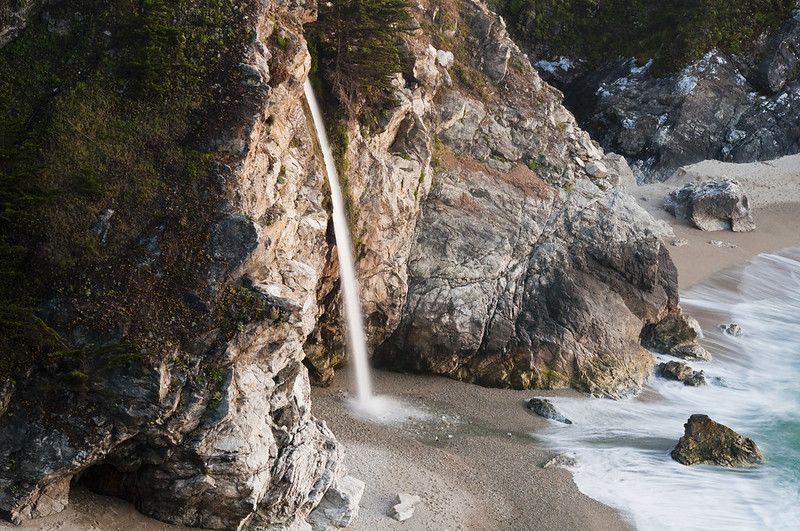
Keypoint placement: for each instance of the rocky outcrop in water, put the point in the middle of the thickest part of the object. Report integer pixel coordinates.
(676, 370)
(712, 205)
(545, 408)
(720, 107)
(710, 443)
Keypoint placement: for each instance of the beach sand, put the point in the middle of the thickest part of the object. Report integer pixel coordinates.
(455, 451)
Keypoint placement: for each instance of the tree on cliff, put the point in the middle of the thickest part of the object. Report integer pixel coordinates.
(357, 46)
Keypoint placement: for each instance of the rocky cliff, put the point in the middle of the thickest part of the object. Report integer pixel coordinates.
(204, 423)
(725, 106)
(494, 243)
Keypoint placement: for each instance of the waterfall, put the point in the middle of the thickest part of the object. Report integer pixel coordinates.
(352, 306)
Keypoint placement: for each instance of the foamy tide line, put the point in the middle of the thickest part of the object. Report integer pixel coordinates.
(754, 388)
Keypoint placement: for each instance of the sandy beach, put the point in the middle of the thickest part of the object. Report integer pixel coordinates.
(469, 452)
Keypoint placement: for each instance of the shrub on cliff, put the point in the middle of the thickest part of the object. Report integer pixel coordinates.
(357, 45)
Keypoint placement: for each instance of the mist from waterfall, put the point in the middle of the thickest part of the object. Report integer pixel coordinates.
(352, 306)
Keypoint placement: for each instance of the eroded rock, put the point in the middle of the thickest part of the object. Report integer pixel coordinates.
(545, 408)
(712, 205)
(404, 505)
(707, 442)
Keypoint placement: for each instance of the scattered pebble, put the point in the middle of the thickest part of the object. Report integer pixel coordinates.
(718, 243)
(680, 242)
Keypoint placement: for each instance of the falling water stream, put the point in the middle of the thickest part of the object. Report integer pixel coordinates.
(352, 306)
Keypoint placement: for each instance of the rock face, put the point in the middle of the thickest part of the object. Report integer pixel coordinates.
(494, 244)
(529, 267)
(544, 408)
(707, 442)
(716, 108)
(712, 205)
(214, 432)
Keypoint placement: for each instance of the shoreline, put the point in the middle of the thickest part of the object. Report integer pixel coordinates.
(480, 477)
(474, 476)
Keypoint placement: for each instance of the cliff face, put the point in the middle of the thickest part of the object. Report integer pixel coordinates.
(529, 267)
(213, 430)
(494, 244)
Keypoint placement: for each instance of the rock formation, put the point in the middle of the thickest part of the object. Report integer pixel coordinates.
(712, 205)
(495, 244)
(213, 430)
(676, 370)
(545, 408)
(710, 443)
(719, 107)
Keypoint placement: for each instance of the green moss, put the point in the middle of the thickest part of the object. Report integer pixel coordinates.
(109, 116)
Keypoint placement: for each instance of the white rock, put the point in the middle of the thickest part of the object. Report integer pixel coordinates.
(404, 505)
(339, 506)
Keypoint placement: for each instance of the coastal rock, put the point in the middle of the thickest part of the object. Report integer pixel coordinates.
(696, 380)
(732, 330)
(712, 205)
(545, 408)
(404, 505)
(676, 370)
(206, 422)
(674, 335)
(781, 57)
(708, 110)
(707, 442)
(561, 461)
(339, 506)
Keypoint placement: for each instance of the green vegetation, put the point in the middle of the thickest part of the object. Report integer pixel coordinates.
(112, 114)
(672, 33)
(356, 42)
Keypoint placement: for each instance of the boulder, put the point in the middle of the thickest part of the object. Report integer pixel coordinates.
(674, 335)
(716, 204)
(404, 505)
(707, 442)
(696, 380)
(339, 506)
(561, 461)
(732, 330)
(545, 408)
(675, 370)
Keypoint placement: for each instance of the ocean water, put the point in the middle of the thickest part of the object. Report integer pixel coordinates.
(622, 448)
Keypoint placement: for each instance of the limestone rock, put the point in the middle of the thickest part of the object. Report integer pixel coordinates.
(707, 442)
(712, 205)
(545, 408)
(404, 505)
(339, 506)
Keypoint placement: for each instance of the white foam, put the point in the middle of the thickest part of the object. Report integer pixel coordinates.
(623, 447)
